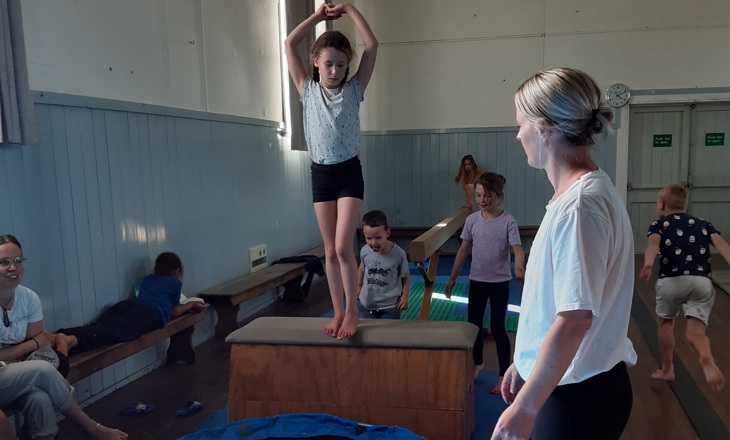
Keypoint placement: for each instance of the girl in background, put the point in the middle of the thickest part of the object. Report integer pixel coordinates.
(466, 177)
(331, 104)
(488, 236)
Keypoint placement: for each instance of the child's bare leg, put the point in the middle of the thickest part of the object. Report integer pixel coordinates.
(349, 325)
(326, 213)
(348, 213)
(666, 350)
(334, 281)
(64, 343)
(497, 388)
(701, 343)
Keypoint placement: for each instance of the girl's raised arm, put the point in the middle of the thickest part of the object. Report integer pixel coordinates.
(296, 66)
(367, 60)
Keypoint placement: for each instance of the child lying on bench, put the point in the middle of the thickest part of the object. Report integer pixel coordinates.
(157, 303)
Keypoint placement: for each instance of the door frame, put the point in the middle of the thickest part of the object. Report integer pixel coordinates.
(654, 96)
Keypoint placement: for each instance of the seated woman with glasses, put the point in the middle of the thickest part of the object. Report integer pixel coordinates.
(34, 388)
(158, 302)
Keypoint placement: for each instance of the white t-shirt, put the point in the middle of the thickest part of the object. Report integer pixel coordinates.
(331, 121)
(582, 258)
(26, 308)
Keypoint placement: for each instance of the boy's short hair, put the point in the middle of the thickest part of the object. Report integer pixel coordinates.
(674, 197)
(374, 219)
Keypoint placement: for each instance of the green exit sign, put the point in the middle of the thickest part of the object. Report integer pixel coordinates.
(714, 139)
(662, 140)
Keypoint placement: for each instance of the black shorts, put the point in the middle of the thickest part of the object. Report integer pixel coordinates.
(333, 182)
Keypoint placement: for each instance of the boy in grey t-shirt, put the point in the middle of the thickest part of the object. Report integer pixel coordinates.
(383, 277)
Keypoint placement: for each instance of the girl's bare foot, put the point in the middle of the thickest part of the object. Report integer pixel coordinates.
(102, 432)
(348, 327)
(497, 388)
(714, 377)
(333, 327)
(661, 374)
(477, 370)
(61, 343)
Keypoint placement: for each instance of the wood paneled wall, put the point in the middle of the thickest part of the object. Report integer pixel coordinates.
(410, 175)
(113, 184)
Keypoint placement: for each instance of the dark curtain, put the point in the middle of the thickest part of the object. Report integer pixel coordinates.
(17, 116)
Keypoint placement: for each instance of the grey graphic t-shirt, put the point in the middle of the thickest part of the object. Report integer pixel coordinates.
(382, 284)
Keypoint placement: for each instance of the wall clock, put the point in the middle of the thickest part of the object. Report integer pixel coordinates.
(618, 95)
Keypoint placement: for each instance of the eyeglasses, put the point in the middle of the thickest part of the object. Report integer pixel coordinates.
(6, 319)
(6, 262)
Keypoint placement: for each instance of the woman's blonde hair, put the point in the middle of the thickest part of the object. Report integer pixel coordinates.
(567, 101)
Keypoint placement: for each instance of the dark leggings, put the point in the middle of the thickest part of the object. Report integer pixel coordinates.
(124, 321)
(597, 408)
(498, 296)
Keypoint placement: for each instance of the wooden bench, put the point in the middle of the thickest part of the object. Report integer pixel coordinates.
(225, 298)
(179, 330)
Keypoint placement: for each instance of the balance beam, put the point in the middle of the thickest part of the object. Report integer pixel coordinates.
(414, 374)
(426, 247)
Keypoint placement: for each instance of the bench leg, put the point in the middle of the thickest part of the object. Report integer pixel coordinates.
(227, 319)
(293, 290)
(181, 347)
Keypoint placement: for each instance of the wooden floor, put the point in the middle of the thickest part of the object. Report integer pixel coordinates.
(657, 412)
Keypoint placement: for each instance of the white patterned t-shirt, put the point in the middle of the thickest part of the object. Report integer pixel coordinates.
(331, 121)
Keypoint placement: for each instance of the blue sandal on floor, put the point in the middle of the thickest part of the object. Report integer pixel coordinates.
(137, 408)
(190, 408)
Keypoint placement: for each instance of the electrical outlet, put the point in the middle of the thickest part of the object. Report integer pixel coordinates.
(258, 258)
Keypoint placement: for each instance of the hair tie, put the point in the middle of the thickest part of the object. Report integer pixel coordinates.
(595, 114)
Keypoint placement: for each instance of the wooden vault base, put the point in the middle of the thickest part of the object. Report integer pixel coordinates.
(413, 374)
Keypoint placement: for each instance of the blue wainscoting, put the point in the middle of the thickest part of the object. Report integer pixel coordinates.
(410, 174)
(112, 184)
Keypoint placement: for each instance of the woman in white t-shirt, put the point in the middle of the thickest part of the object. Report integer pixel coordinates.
(569, 377)
(34, 388)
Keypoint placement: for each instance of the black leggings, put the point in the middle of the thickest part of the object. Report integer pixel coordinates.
(124, 321)
(597, 408)
(498, 296)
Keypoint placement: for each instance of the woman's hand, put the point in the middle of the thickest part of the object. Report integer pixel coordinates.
(511, 384)
(44, 339)
(514, 424)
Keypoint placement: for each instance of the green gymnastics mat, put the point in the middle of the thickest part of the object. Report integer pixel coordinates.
(446, 310)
